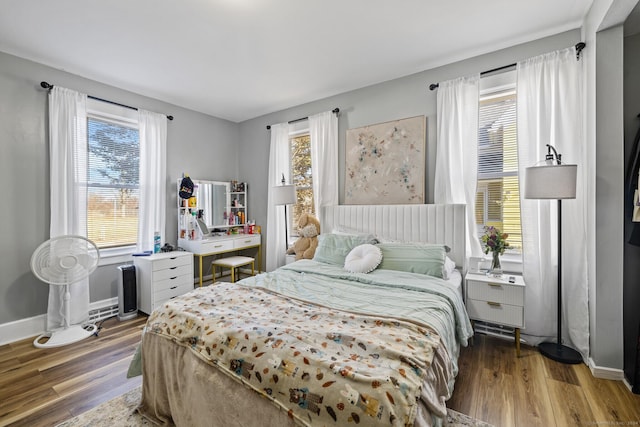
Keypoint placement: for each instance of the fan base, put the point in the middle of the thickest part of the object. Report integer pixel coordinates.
(64, 336)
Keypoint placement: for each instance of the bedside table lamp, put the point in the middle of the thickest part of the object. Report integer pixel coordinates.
(284, 195)
(554, 180)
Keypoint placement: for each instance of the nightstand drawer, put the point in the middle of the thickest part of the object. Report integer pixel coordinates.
(496, 292)
(492, 311)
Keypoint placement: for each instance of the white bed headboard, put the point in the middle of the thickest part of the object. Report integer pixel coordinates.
(410, 223)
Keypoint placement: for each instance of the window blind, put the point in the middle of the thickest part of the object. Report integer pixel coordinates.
(498, 198)
(113, 182)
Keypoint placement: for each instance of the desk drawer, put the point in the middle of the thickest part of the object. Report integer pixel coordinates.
(246, 241)
(496, 292)
(495, 312)
(216, 246)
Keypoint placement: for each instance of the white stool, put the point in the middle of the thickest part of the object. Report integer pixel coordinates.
(232, 262)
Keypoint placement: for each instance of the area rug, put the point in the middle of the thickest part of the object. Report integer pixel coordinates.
(121, 412)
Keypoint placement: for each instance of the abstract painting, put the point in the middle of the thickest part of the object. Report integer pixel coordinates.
(385, 163)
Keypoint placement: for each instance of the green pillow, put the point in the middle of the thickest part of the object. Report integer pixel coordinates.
(334, 248)
(413, 257)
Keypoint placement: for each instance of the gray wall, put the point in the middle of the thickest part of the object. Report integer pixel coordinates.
(396, 99)
(201, 145)
(607, 334)
(631, 290)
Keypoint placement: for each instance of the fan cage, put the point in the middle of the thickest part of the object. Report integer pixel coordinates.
(65, 259)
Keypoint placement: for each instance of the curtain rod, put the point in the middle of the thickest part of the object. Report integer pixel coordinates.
(579, 47)
(335, 111)
(48, 86)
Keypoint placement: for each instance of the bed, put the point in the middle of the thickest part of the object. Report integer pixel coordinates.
(314, 344)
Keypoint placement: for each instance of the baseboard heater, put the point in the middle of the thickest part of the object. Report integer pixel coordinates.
(103, 313)
(499, 331)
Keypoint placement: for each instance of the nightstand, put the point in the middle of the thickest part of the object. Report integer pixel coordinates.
(495, 300)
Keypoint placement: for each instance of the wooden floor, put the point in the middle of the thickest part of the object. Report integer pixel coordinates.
(496, 386)
(44, 387)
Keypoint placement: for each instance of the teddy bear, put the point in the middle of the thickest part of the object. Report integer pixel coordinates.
(305, 246)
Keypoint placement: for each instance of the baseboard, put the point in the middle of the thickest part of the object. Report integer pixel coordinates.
(23, 328)
(605, 373)
(33, 326)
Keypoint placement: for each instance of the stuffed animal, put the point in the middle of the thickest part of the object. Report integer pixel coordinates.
(305, 246)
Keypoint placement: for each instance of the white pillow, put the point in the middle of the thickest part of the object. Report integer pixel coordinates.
(363, 259)
(449, 268)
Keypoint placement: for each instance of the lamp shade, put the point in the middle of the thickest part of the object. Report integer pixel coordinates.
(284, 195)
(550, 182)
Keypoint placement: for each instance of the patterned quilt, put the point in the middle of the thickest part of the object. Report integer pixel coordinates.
(324, 366)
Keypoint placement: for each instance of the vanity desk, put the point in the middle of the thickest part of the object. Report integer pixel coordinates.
(207, 220)
(216, 245)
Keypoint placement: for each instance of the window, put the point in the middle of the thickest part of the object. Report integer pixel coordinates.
(113, 178)
(498, 193)
(302, 177)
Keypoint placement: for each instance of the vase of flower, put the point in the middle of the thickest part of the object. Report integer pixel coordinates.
(496, 268)
(495, 241)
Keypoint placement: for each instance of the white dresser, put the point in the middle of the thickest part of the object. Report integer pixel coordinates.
(161, 277)
(496, 300)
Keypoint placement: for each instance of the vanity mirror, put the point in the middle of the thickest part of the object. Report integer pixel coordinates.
(213, 198)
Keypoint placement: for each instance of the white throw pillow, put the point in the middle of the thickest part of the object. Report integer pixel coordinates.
(363, 259)
(449, 267)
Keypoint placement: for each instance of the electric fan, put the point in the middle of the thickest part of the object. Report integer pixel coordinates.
(61, 261)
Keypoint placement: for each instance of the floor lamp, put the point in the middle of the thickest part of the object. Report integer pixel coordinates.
(284, 195)
(554, 180)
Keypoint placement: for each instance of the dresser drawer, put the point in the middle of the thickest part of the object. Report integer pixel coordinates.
(172, 272)
(170, 262)
(173, 282)
(167, 294)
(495, 312)
(246, 241)
(495, 292)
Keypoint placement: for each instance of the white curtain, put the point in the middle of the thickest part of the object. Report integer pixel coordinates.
(68, 179)
(457, 150)
(323, 130)
(153, 175)
(550, 111)
(279, 163)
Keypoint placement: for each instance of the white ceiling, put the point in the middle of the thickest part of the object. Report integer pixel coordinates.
(240, 59)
